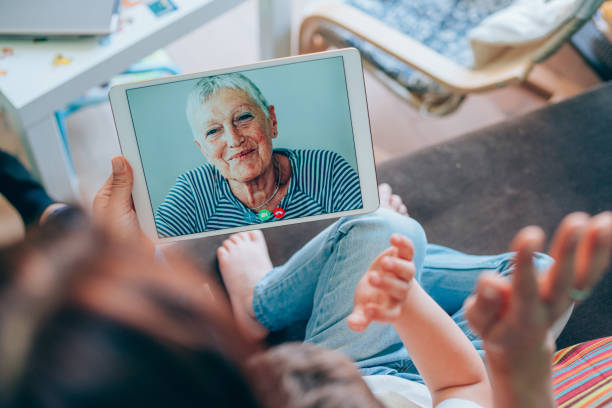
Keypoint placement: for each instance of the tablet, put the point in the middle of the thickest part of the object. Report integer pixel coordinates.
(254, 146)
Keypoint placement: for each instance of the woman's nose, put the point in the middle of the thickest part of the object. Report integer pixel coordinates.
(235, 137)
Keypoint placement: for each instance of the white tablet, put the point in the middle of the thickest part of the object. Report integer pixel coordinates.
(272, 143)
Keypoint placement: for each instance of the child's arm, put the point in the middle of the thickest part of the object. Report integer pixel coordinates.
(447, 361)
(514, 317)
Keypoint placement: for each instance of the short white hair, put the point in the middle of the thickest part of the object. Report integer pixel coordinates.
(209, 86)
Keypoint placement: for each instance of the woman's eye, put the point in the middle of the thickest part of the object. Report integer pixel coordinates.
(244, 117)
(212, 132)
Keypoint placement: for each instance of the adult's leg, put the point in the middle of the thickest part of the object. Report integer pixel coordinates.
(449, 276)
(319, 281)
(244, 260)
(542, 263)
(21, 190)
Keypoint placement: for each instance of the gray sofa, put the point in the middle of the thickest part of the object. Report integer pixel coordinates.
(475, 192)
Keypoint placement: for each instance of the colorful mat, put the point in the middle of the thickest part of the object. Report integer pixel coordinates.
(582, 375)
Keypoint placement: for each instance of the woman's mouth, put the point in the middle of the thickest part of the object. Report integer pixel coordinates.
(241, 154)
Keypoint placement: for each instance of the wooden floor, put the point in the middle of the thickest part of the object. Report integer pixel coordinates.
(397, 129)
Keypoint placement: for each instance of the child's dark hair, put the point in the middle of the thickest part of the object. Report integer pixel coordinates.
(302, 375)
(87, 321)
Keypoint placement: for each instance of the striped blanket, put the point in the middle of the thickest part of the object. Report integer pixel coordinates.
(582, 374)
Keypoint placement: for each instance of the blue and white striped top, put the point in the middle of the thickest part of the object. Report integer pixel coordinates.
(322, 182)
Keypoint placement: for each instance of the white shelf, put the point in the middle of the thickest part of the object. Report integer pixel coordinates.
(34, 86)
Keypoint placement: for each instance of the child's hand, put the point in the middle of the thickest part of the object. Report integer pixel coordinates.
(381, 292)
(514, 317)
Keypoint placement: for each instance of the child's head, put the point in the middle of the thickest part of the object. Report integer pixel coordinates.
(87, 321)
(301, 375)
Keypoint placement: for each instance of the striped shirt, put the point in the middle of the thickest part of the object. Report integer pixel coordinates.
(321, 182)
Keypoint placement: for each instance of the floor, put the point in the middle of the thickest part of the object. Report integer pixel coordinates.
(397, 129)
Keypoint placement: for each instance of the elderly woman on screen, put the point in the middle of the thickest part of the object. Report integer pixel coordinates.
(246, 181)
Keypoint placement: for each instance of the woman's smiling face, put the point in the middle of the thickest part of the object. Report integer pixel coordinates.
(236, 135)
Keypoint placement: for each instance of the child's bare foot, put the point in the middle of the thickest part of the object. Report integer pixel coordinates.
(243, 260)
(391, 201)
(382, 291)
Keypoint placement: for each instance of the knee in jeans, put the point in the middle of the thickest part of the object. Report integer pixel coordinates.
(382, 223)
(542, 263)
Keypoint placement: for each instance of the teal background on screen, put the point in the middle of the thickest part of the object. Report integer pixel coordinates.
(310, 100)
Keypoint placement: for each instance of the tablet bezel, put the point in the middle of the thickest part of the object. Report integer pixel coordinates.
(361, 137)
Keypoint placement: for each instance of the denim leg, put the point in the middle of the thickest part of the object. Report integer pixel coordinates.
(449, 276)
(285, 295)
(542, 263)
(319, 281)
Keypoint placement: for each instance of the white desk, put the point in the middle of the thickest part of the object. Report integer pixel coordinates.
(32, 88)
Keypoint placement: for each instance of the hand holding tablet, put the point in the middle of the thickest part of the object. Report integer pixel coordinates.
(267, 144)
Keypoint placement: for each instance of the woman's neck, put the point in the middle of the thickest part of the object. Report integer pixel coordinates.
(255, 192)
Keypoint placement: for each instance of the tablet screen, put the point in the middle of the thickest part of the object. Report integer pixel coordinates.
(249, 147)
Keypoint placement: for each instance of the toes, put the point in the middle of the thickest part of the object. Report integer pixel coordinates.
(396, 202)
(384, 190)
(239, 237)
(403, 210)
(255, 235)
(231, 242)
(222, 253)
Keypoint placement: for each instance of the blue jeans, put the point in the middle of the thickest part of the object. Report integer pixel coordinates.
(318, 282)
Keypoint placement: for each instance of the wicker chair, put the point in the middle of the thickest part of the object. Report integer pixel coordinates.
(420, 48)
